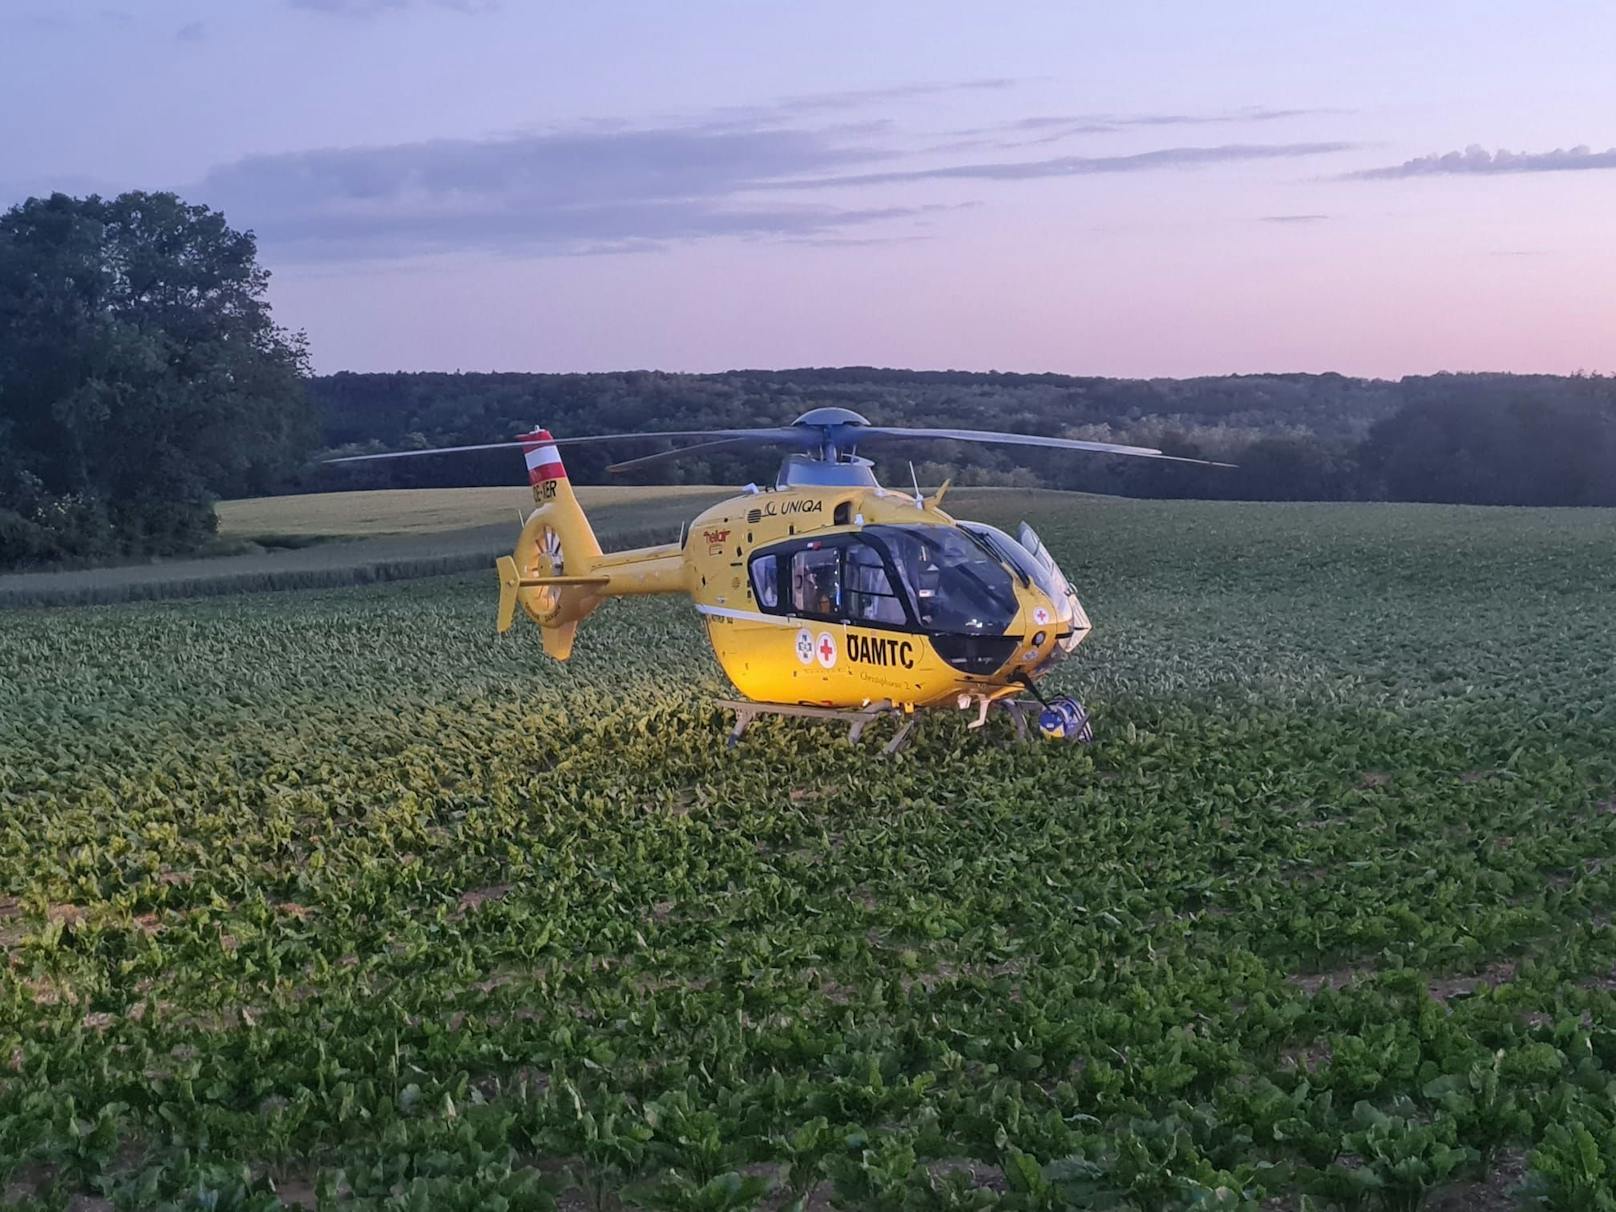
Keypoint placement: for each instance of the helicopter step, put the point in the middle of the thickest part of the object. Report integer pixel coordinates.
(857, 719)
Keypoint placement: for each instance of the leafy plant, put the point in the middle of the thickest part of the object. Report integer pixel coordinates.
(1400, 1159)
(1484, 1108)
(673, 1192)
(1574, 1167)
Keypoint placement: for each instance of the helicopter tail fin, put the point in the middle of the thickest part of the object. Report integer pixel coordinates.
(558, 574)
(549, 573)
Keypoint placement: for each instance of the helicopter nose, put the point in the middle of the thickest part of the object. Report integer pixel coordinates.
(1042, 628)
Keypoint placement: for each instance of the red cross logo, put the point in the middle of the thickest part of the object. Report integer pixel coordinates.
(826, 650)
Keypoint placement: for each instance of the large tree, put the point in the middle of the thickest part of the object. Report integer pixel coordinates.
(141, 376)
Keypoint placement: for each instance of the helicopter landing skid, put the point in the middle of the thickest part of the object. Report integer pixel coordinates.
(857, 719)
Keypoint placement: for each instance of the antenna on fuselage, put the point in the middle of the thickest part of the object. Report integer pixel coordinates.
(920, 501)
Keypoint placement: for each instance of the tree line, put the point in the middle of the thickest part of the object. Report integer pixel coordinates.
(1493, 439)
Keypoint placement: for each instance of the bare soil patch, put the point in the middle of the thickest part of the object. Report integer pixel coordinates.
(1338, 978)
(1498, 973)
(1500, 1190)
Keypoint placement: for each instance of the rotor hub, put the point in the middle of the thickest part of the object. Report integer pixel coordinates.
(838, 431)
(821, 418)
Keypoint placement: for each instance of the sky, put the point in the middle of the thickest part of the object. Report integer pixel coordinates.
(1156, 188)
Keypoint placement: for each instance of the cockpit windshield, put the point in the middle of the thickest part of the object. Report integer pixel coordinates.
(955, 584)
(1030, 567)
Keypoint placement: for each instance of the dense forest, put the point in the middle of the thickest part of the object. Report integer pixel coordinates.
(1478, 438)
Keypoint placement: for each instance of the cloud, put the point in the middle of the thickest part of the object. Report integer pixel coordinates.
(811, 106)
(859, 97)
(192, 31)
(557, 169)
(1292, 218)
(373, 8)
(552, 192)
(1052, 128)
(1073, 166)
(1478, 161)
(636, 226)
(607, 188)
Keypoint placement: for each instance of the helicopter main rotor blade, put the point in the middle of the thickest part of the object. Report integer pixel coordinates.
(408, 454)
(834, 435)
(678, 452)
(862, 434)
(797, 437)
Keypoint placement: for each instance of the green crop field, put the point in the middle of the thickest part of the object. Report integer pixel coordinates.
(336, 896)
(433, 510)
(345, 538)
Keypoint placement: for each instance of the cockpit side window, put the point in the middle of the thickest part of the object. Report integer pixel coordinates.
(766, 581)
(816, 582)
(870, 595)
(846, 579)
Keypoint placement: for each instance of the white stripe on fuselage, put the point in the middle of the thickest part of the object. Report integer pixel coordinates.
(748, 616)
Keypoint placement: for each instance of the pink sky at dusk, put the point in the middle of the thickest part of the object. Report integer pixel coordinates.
(1151, 189)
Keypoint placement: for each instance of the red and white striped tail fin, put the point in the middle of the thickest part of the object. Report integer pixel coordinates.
(549, 573)
(544, 465)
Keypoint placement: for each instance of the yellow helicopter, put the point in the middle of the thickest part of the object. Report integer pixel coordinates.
(827, 595)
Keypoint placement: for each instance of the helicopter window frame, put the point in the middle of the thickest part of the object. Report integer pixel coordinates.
(860, 599)
(776, 557)
(784, 556)
(765, 588)
(801, 574)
